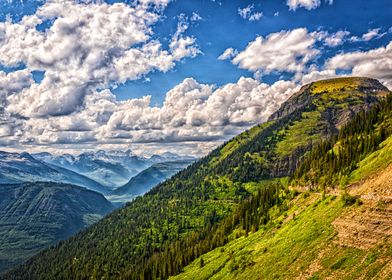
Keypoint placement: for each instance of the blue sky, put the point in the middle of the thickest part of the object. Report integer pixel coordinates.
(222, 27)
(212, 27)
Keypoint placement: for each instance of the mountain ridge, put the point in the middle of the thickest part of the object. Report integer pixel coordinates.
(148, 178)
(19, 168)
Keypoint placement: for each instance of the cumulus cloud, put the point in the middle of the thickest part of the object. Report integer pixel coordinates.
(285, 51)
(336, 39)
(228, 54)
(248, 13)
(196, 112)
(307, 4)
(191, 112)
(368, 36)
(89, 45)
(376, 63)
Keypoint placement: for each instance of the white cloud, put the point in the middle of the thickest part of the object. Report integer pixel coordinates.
(331, 39)
(249, 14)
(336, 39)
(368, 36)
(89, 46)
(285, 51)
(371, 34)
(228, 54)
(375, 63)
(197, 112)
(307, 4)
(256, 16)
(192, 112)
(195, 17)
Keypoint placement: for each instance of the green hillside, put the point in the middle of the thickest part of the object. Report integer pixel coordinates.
(340, 234)
(239, 188)
(36, 215)
(327, 230)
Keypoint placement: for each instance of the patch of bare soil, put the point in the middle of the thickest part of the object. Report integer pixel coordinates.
(368, 225)
(364, 226)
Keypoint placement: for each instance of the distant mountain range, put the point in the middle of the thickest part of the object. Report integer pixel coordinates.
(111, 169)
(116, 174)
(147, 179)
(18, 168)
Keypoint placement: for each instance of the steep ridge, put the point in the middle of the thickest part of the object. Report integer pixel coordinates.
(136, 236)
(36, 215)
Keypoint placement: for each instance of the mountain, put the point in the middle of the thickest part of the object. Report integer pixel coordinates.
(18, 168)
(147, 179)
(111, 169)
(36, 215)
(98, 166)
(170, 157)
(241, 190)
(333, 222)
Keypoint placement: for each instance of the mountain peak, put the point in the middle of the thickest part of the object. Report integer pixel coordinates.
(352, 92)
(347, 84)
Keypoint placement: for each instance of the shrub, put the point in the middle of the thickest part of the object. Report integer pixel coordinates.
(349, 200)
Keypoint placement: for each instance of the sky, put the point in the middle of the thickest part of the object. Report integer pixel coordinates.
(180, 76)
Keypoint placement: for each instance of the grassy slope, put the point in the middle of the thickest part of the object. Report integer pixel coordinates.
(375, 162)
(303, 246)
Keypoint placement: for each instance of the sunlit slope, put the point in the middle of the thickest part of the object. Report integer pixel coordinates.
(319, 236)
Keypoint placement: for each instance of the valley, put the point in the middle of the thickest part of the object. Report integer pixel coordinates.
(46, 198)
